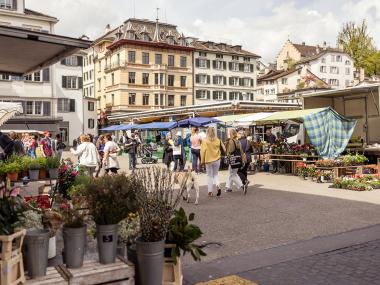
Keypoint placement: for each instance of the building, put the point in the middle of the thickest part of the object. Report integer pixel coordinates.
(47, 104)
(142, 65)
(223, 72)
(332, 65)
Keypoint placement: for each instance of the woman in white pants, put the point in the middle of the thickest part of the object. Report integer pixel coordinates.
(211, 150)
(234, 148)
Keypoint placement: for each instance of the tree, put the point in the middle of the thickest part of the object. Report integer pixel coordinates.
(356, 41)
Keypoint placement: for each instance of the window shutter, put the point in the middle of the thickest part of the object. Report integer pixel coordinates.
(72, 105)
(208, 63)
(197, 78)
(214, 95)
(47, 108)
(230, 65)
(64, 81)
(208, 79)
(252, 67)
(214, 64)
(197, 62)
(14, 5)
(224, 65)
(224, 80)
(252, 82)
(240, 96)
(214, 80)
(80, 60)
(241, 82)
(230, 80)
(241, 66)
(224, 95)
(80, 82)
(197, 93)
(63, 61)
(46, 75)
(208, 94)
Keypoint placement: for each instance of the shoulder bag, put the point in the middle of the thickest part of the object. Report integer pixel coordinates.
(235, 159)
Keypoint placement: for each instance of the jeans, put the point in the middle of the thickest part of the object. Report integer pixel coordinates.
(232, 178)
(212, 170)
(178, 160)
(196, 156)
(132, 161)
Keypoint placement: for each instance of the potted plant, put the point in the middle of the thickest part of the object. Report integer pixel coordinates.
(157, 201)
(304, 156)
(42, 162)
(110, 199)
(52, 164)
(34, 170)
(11, 169)
(11, 236)
(128, 231)
(24, 162)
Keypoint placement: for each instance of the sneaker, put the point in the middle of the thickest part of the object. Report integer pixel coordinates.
(228, 190)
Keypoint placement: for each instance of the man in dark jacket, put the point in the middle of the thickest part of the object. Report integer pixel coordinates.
(131, 146)
(7, 146)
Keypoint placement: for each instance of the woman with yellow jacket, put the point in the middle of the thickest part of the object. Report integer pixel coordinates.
(211, 152)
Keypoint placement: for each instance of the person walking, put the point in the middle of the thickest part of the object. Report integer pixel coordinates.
(59, 146)
(247, 150)
(100, 143)
(33, 146)
(87, 154)
(196, 141)
(233, 148)
(18, 147)
(168, 150)
(110, 161)
(179, 152)
(46, 145)
(131, 146)
(212, 149)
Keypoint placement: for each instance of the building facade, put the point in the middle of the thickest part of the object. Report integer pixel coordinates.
(142, 65)
(223, 72)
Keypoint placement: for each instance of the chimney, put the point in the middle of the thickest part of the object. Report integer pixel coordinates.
(324, 45)
(107, 28)
(361, 74)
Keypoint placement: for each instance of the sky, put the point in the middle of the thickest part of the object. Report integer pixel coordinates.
(260, 26)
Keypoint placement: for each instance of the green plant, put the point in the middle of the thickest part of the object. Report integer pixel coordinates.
(11, 167)
(43, 162)
(111, 198)
(71, 212)
(25, 162)
(129, 229)
(157, 200)
(34, 165)
(52, 162)
(183, 234)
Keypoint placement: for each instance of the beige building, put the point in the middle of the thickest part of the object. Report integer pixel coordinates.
(142, 65)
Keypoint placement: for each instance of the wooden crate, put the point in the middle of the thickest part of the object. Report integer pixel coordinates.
(11, 262)
(53, 276)
(172, 272)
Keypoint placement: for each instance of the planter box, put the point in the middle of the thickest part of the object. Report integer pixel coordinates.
(172, 272)
(11, 262)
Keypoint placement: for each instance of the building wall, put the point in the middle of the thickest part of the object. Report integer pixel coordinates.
(203, 92)
(114, 96)
(287, 51)
(329, 60)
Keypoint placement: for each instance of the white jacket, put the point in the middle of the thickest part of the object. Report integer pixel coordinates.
(88, 154)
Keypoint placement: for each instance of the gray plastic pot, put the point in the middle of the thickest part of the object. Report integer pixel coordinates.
(53, 173)
(36, 248)
(34, 174)
(150, 258)
(74, 245)
(107, 243)
(132, 257)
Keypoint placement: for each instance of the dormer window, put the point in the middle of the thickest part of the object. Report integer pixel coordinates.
(170, 40)
(131, 35)
(8, 4)
(145, 37)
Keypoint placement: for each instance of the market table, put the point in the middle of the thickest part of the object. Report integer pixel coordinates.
(293, 159)
(338, 171)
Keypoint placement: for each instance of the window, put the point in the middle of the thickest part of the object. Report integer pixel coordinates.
(201, 94)
(29, 107)
(159, 79)
(247, 67)
(66, 105)
(132, 98)
(118, 59)
(145, 99)
(347, 83)
(323, 69)
(219, 64)
(37, 76)
(171, 100)
(131, 56)
(145, 78)
(234, 57)
(334, 70)
(46, 106)
(131, 35)
(247, 59)
(132, 77)
(4, 77)
(348, 71)
(71, 61)
(338, 58)
(145, 57)
(183, 61)
(202, 78)
(170, 60)
(91, 123)
(158, 58)
(156, 99)
(332, 58)
(204, 54)
(234, 81)
(99, 84)
(112, 79)
(234, 96)
(202, 63)
(91, 106)
(183, 81)
(219, 56)
(334, 82)
(38, 107)
(69, 82)
(218, 80)
(218, 95)
(234, 66)
(28, 77)
(145, 37)
(183, 100)
(247, 82)
(348, 62)
(170, 80)
(284, 80)
(323, 60)
(8, 4)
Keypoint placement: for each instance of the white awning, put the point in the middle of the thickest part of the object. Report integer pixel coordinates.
(251, 119)
(8, 110)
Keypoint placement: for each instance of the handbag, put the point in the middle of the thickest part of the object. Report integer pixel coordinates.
(235, 160)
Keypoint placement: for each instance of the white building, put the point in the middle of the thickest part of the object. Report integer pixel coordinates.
(223, 72)
(46, 103)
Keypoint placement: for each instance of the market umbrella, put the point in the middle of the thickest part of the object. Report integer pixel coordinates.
(250, 119)
(8, 110)
(111, 128)
(157, 126)
(197, 121)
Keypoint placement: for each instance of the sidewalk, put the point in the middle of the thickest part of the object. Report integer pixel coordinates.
(347, 258)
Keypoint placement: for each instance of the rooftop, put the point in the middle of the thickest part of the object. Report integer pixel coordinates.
(222, 48)
(35, 13)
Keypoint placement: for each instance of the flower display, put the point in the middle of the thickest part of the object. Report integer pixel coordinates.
(67, 173)
(129, 229)
(358, 182)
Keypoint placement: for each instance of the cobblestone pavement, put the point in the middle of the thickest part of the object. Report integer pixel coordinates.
(356, 265)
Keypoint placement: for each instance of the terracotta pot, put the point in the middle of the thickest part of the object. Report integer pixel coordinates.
(13, 176)
(42, 173)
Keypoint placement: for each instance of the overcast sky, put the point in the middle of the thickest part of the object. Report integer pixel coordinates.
(260, 26)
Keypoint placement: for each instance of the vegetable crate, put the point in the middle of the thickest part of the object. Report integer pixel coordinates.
(11, 263)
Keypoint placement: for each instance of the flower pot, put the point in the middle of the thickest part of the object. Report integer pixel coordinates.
(36, 250)
(132, 257)
(304, 158)
(53, 173)
(150, 258)
(42, 173)
(13, 176)
(52, 247)
(74, 240)
(107, 243)
(34, 174)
